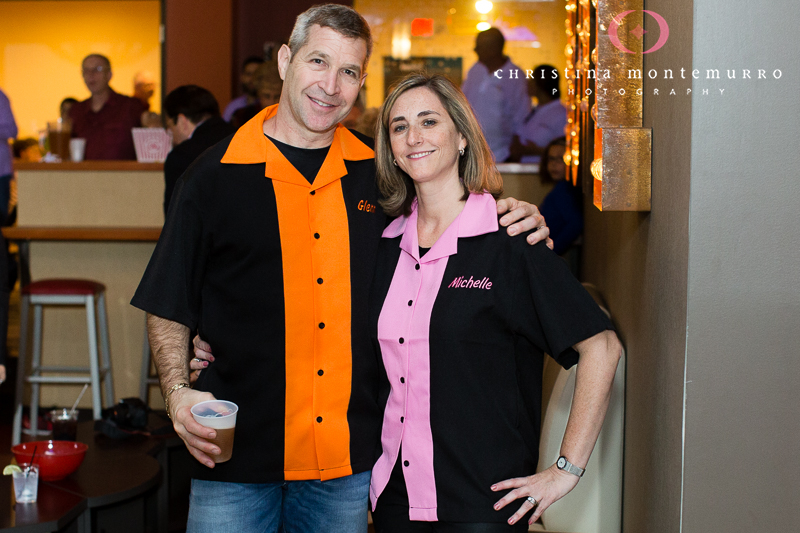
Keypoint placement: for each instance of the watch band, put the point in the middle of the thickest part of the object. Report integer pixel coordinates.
(566, 466)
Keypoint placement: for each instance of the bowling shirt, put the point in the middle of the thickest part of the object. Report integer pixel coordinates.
(462, 333)
(274, 272)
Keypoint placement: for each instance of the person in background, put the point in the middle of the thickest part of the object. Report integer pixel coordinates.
(27, 150)
(65, 107)
(191, 113)
(249, 94)
(545, 122)
(106, 118)
(268, 84)
(563, 205)
(8, 131)
(351, 119)
(497, 92)
(144, 87)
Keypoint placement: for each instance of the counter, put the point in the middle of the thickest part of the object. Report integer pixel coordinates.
(521, 181)
(59, 200)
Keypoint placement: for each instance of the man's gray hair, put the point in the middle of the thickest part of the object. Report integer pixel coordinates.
(341, 19)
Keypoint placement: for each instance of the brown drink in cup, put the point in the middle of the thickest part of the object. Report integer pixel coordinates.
(220, 415)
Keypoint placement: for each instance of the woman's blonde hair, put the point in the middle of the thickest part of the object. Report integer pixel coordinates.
(476, 167)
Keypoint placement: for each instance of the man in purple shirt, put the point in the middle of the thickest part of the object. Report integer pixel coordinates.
(8, 131)
(249, 89)
(105, 119)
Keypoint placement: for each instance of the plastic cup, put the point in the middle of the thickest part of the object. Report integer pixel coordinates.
(65, 426)
(26, 483)
(77, 147)
(219, 415)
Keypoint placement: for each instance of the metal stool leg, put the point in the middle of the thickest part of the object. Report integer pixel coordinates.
(94, 359)
(108, 376)
(21, 369)
(36, 367)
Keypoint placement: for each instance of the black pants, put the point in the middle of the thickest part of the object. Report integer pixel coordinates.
(394, 519)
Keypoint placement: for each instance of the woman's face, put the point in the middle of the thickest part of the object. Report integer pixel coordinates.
(555, 162)
(424, 139)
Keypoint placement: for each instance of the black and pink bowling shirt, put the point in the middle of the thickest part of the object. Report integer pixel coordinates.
(462, 332)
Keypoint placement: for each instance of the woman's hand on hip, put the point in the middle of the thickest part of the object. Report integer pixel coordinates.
(546, 487)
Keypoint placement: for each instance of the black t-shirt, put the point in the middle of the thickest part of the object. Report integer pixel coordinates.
(307, 161)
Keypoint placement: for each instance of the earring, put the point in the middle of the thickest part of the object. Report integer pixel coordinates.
(461, 151)
(394, 161)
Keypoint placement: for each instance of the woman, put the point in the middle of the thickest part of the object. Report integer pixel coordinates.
(462, 315)
(563, 205)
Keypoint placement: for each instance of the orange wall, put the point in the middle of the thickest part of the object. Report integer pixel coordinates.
(198, 47)
(42, 45)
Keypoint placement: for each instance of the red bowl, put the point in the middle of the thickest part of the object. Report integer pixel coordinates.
(56, 458)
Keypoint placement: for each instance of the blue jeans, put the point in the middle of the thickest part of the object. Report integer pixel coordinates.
(334, 506)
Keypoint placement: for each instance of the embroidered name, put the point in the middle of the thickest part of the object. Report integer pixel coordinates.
(363, 205)
(462, 283)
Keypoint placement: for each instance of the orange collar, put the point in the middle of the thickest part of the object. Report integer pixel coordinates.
(249, 145)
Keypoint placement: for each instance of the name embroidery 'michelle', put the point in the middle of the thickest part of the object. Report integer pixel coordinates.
(462, 283)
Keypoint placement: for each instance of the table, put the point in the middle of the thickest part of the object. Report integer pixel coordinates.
(121, 486)
(23, 235)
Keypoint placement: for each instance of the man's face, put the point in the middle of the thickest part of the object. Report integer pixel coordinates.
(174, 126)
(322, 81)
(96, 74)
(248, 78)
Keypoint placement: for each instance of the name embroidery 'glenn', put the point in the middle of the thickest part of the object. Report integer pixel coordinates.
(462, 283)
(363, 205)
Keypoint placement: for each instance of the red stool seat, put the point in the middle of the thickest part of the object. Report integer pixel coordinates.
(64, 286)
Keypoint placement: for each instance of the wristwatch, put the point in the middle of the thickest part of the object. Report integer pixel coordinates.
(566, 466)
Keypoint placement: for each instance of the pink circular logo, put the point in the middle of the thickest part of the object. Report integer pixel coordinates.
(638, 31)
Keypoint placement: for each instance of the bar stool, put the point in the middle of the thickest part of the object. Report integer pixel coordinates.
(63, 292)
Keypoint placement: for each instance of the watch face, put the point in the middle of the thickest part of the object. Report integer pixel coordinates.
(561, 462)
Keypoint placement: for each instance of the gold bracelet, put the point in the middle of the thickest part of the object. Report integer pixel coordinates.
(170, 391)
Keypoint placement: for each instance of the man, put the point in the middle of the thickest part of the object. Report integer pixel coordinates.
(249, 89)
(546, 122)
(496, 90)
(192, 115)
(106, 118)
(268, 250)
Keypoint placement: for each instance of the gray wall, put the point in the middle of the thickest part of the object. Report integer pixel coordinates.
(705, 287)
(742, 451)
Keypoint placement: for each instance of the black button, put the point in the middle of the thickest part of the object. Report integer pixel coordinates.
(406, 463)
(319, 280)
(416, 267)
(402, 419)
(320, 372)
(316, 235)
(410, 302)
(402, 340)
(322, 325)
(313, 193)
(319, 419)
(402, 380)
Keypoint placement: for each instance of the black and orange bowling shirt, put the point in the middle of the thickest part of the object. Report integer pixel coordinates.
(274, 272)
(462, 332)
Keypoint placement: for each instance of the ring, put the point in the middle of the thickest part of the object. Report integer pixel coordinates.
(198, 359)
(532, 500)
